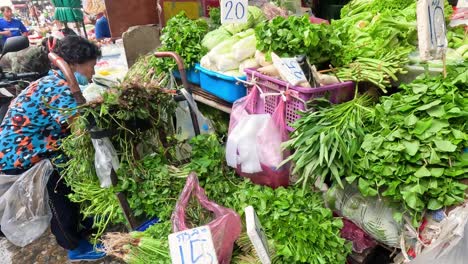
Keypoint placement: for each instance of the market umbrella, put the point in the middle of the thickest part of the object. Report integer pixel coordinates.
(68, 10)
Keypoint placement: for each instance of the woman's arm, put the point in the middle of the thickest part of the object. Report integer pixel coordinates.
(23, 29)
(5, 33)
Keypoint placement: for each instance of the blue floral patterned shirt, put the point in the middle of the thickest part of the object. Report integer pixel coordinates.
(36, 122)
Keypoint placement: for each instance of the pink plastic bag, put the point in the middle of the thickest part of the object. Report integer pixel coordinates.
(361, 240)
(225, 228)
(269, 137)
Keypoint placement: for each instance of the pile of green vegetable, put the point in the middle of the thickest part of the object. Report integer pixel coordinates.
(372, 40)
(139, 121)
(327, 138)
(299, 227)
(181, 35)
(288, 37)
(413, 149)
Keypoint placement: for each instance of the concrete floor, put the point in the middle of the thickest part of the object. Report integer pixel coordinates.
(43, 251)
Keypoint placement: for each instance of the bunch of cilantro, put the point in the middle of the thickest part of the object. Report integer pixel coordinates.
(183, 36)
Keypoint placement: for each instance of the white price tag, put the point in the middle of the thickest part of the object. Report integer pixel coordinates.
(257, 235)
(462, 4)
(234, 11)
(289, 69)
(431, 29)
(193, 246)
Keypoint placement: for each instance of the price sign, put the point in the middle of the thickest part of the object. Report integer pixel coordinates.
(257, 235)
(431, 29)
(289, 69)
(234, 11)
(193, 246)
(462, 4)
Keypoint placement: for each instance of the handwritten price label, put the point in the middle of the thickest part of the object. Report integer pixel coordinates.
(193, 246)
(431, 29)
(289, 69)
(257, 235)
(234, 11)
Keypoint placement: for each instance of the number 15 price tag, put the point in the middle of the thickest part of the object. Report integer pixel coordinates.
(234, 11)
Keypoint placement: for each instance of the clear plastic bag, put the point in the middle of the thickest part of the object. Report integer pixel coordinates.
(255, 139)
(105, 159)
(225, 228)
(184, 120)
(24, 206)
(371, 214)
(451, 245)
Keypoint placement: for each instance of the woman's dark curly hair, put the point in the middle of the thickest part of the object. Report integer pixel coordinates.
(77, 50)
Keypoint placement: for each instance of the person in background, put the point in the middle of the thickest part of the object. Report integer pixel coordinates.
(32, 130)
(102, 27)
(10, 27)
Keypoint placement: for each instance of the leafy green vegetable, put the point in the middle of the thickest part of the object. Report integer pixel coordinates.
(372, 40)
(302, 230)
(288, 37)
(215, 37)
(215, 16)
(327, 138)
(183, 36)
(413, 150)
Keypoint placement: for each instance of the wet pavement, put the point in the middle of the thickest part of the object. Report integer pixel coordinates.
(43, 251)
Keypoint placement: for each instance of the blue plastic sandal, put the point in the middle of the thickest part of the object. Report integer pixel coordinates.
(85, 252)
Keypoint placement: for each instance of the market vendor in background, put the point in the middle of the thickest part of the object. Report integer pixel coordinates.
(10, 27)
(35, 124)
(102, 29)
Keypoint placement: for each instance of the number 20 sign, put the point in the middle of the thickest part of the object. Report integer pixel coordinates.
(234, 11)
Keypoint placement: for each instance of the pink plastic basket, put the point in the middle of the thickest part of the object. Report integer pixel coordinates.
(297, 96)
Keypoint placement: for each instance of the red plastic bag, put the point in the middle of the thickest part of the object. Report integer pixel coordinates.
(269, 135)
(225, 228)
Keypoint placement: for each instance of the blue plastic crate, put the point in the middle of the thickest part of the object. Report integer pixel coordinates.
(225, 87)
(193, 75)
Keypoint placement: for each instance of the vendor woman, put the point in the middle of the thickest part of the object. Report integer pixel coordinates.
(32, 131)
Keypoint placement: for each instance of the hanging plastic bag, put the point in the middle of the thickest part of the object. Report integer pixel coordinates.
(452, 243)
(265, 148)
(24, 209)
(105, 159)
(225, 228)
(371, 214)
(241, 146)
(184, 119)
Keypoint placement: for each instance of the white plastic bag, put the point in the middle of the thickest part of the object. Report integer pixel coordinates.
(242, 147)
(451, 246)
(24, 208)
(105, 158)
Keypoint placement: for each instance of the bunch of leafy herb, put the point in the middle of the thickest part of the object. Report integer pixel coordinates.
(302, 230)
(371, 42)
(326, 139)
(135, 116)
(359, 6)
(183, 36)
(413, 151)
(293, 36)
(215, 17)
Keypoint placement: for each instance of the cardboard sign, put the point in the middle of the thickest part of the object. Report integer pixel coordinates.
(257, 235)
(431, 29)
(289, 69)
(193, 246)
(233, 11)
